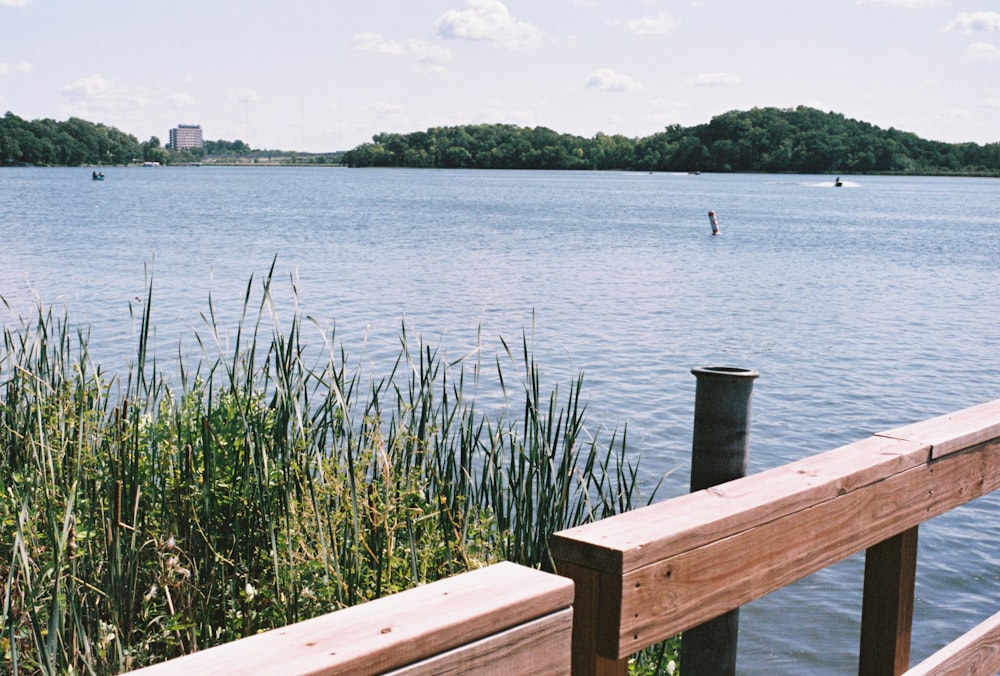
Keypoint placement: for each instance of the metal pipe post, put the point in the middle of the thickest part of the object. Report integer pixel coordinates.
(719, 454)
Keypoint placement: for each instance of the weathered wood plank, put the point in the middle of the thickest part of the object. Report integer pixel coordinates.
(644, 536)
(976, 653)
(887, 609)
(541, 646)
(953, 432)
(688, 588)
(391, 632)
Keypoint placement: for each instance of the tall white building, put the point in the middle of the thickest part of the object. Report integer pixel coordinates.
(186, 136)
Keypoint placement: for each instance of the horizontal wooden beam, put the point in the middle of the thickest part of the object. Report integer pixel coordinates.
(641, 537)
(976, 653)
(671, 566)
(541, 646)
(953, 432)
(398, 630)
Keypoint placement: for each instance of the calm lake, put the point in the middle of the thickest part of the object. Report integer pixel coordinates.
(864, 307)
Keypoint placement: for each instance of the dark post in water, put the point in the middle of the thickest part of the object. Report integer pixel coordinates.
(719, 453)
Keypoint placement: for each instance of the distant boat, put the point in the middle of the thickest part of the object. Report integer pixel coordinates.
(97, 176)
(838, 183)
(150, 164)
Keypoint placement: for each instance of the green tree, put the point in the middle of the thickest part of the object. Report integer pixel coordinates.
(152, 151)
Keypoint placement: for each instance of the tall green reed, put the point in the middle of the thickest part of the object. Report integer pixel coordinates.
(270, 481)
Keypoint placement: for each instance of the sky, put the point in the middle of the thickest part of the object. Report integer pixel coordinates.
(324, 75)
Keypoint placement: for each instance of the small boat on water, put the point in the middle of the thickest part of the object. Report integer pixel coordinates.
(838, 183)
(97, 176)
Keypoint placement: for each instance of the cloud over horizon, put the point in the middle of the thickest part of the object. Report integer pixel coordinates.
(982, 51)
(18, 68)
(488, 21)
(608, 80)
(908, 4)
(424, 52)
(657, 24)
(713, 80)
(975, 22)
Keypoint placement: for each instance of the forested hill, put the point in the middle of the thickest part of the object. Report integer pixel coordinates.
(71, 143)
(803, 140)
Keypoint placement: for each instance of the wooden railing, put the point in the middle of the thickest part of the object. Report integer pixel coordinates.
(503, 619)
(646, 575)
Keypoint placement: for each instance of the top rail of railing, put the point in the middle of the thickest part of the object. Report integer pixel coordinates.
(648, 574)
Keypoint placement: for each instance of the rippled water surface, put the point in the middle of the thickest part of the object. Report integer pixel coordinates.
(863, 308)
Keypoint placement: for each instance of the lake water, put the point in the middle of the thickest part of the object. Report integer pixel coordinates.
(864, 308)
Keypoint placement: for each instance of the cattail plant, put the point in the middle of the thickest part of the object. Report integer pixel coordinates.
(146, 517)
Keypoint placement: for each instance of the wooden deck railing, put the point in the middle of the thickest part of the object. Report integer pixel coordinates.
(503, 619)
(646, 575)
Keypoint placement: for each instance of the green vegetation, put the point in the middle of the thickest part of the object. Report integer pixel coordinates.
(800, 140)
(144, 519)
(803, 140)
(76, 142)
(72, 143)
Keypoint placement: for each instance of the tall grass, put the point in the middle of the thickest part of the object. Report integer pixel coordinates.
(145, 517)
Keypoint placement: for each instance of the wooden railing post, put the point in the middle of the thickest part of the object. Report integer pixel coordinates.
(887, 609)
(586, 620)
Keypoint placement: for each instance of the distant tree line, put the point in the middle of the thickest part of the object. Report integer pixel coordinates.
(800, 140)
(77, 142)
(74, 142)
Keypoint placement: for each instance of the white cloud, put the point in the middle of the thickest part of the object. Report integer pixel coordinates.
(713, 80)
(956, 114)
(982, 51)
(497, 111)
(14, 3)
(657, 24)
(97, 90)
(975, 22)
(992, 102)
(669, 105)
(488, 21)
(181, 101)
(376, 43)
(384, 110)
(908, 4)
(608, 80)
(98, 98)
(21, 67)
(425, 53)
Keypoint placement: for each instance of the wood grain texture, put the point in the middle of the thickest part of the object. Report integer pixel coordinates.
(686, 589)
(953, 432)
(887, 609)
(587, 620)
(976, 653)
(686, 560)
(643, 536)
(391, 632)
(541, 646)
